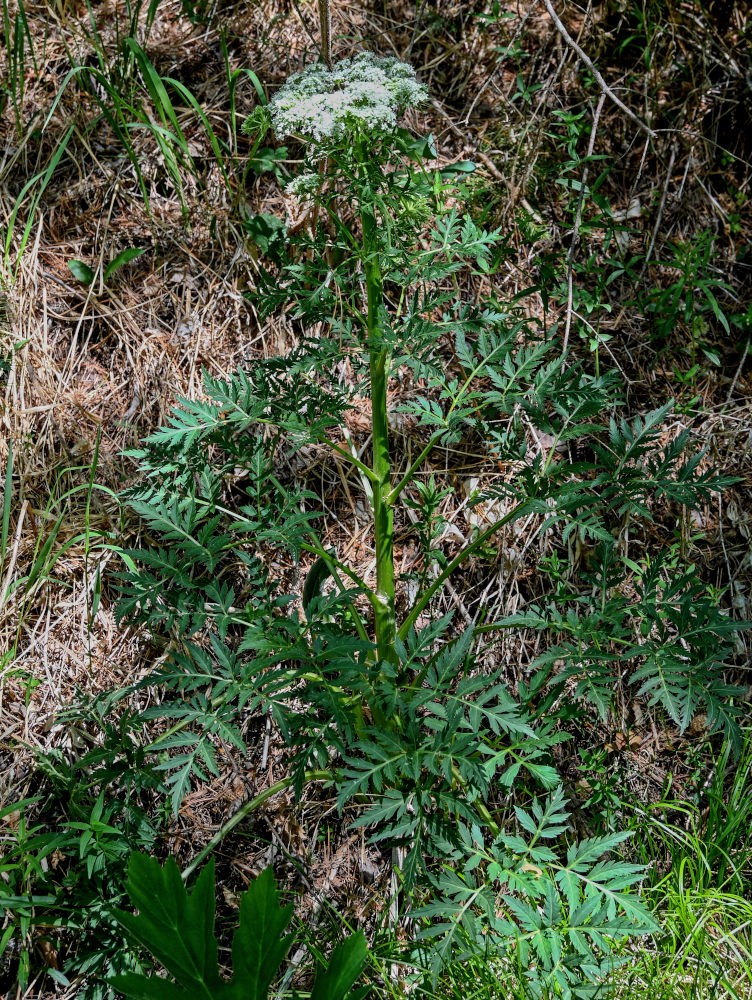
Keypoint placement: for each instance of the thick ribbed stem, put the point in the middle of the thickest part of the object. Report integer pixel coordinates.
(386, 632)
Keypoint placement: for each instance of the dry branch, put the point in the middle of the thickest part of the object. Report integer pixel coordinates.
(583, 57)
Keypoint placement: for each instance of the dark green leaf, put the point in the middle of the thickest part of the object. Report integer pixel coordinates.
(122, 258)
(175, 926)
(345, 965)
(81, 271)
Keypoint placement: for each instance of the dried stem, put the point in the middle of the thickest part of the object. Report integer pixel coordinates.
(325, 19)
(583, 57)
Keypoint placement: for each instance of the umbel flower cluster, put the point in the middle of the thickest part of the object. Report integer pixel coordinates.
(366, 93)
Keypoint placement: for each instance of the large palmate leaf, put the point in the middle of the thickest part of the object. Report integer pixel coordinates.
(344, 967)
(259, 947)
(177, 927)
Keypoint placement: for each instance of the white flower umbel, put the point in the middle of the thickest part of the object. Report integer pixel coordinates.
(365, 93)
(304, 184)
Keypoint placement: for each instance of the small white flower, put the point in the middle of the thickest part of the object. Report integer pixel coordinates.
(365, 92)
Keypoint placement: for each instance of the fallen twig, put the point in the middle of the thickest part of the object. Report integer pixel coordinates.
(591, 66)
(576, 229)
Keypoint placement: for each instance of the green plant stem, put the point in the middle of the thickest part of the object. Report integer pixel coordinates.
(249, 806)
(353, 459)
(332, 561)
(383, 518)
(332, 566)
(408, 477)
(514, 513)
(479, 804)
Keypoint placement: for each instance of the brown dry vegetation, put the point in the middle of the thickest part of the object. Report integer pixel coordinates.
(87, 372)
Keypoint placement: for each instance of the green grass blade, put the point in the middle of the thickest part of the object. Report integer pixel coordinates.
(188, 96)
(43, 179)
